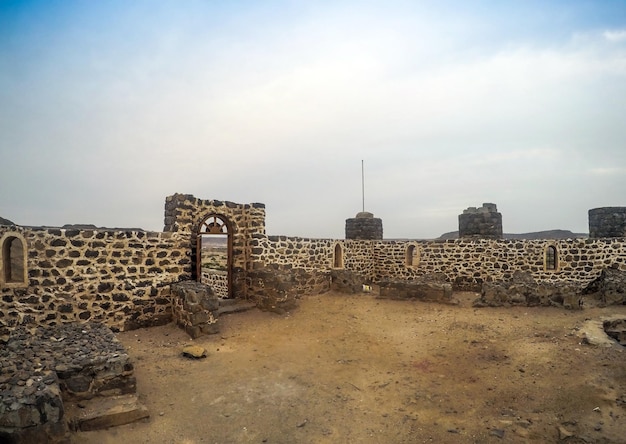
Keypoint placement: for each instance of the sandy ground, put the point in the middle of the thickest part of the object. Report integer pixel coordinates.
(356, 369)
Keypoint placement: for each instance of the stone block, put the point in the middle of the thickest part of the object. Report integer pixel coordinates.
(417, 290)
(102, 413)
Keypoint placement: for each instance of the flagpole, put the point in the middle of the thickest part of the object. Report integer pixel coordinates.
(363, 184)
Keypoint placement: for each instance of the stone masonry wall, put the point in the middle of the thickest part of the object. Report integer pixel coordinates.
(117, 277)
(364, 227)
(607, 222)
(466, 263)
(185, 213)
(217, 280)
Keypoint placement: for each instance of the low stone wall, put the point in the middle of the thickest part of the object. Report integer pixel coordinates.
(217, 280)
(344, 281)
(277, 288)
(523, 290)
(194, 308)
(422, 290)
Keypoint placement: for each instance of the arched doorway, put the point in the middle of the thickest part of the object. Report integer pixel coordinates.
(214, 255)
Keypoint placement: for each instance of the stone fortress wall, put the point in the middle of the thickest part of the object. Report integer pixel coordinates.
(117, 277)
(123, 277)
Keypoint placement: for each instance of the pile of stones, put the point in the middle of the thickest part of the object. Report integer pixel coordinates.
(42, 367)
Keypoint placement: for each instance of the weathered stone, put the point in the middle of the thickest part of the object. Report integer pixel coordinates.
(609, 287)
(607, 222)
(194, 351)
(419, 290)
(484, 222)
(102, 413)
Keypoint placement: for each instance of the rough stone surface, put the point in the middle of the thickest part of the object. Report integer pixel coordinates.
(615, 328)
(483, 222)
(523, 290)
(607, 222)
(47, 366)
(194, 308)
(364, 226)
(194, 351)
(609, 288)
(345, 281)
(120, 278)
(102, 413)
(423, 290)
(279, 288)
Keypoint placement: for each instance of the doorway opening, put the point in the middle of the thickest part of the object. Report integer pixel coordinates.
(214, 255)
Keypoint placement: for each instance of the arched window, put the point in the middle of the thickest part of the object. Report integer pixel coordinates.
(412, 256)
(338, 256)
(13, 260)
(551, 258)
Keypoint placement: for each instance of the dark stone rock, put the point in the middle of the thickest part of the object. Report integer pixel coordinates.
(609, 287)
(423, 290)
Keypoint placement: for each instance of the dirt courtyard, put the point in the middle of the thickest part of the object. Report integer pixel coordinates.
(356, 369)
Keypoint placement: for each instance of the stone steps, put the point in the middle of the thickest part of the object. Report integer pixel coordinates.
(104, 412)
(228, 306)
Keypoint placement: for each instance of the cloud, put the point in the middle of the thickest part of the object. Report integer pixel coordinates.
(448, 109)
(607, 171)
(615, 36)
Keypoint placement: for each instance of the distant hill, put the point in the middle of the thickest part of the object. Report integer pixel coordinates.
(4, 221)
(548, 234)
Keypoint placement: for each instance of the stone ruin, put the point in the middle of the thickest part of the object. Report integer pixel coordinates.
(46, 372)
(64, 291)
(484, 222)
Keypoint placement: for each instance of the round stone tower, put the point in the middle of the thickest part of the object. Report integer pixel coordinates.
(483, 222)
(364, 226)
(607, 222)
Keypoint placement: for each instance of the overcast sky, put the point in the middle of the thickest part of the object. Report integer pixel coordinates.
(107, 107)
